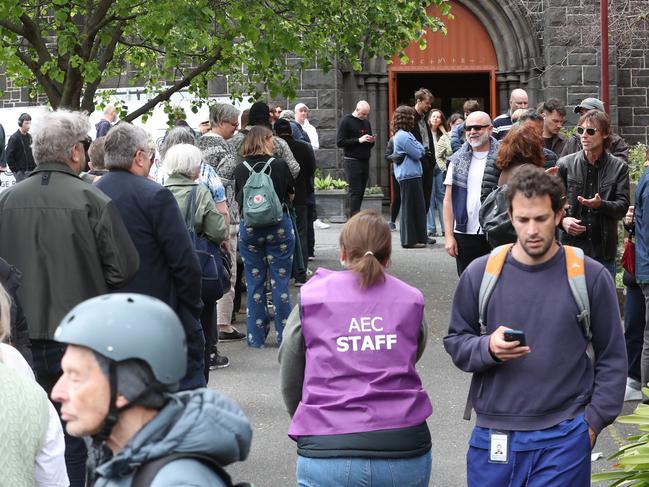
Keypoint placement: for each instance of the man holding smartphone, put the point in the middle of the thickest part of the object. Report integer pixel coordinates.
(356, 139)
(543, 402)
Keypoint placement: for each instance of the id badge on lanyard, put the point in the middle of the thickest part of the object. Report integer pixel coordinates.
(498, 446)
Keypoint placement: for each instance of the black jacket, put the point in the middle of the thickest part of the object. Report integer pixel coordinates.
(613, 188)
(305, 157)
(429, 155)
(19, 152)
(10, 277)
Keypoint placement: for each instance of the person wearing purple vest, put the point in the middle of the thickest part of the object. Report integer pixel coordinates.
(347, 366)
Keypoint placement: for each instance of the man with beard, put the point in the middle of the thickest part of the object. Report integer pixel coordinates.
(466, 182)
(542, 397)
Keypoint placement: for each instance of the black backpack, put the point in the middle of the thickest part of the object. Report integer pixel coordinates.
(147, 472)
(494, 218)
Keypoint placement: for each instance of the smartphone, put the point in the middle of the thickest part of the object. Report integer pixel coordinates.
(516, 336)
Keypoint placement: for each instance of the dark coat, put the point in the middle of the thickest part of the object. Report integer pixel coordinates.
(613, 188)
(67, 239)
(558, 144)
(429, 155)
(169, 269)
(305, 157)
(19, 152)
(10, 277)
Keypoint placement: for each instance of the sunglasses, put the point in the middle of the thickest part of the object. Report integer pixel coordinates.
(477, 128)
(86, 143)
(589, 130)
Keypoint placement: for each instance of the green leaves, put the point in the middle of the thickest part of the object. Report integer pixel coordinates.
(257, 45)
(632, 467)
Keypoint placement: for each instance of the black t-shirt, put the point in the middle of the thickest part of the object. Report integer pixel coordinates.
(280, 174)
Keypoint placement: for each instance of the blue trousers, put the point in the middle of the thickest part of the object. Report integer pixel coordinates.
(436, 202)
(267, 252)
(634, 325)
(364, 472)
(566, 464)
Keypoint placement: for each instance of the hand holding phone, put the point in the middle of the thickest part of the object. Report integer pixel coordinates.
(515, 336)
(502, 346)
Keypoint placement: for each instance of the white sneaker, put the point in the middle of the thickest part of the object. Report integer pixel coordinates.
(320, 224)
(631, 394)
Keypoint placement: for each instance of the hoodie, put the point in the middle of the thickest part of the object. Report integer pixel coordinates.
(201, 421)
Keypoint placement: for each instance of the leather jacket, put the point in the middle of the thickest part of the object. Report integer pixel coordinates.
(612, 179)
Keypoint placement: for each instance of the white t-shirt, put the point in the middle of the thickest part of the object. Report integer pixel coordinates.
(474, 187)
(7, 180)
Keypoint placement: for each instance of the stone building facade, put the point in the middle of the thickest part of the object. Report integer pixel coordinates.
(548, 47)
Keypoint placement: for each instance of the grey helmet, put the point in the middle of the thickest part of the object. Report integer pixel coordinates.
(125, 326)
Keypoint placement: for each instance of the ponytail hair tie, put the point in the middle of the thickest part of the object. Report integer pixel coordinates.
(369, 252)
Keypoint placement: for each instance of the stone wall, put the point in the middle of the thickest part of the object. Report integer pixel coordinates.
(321, 92)
(572, 64)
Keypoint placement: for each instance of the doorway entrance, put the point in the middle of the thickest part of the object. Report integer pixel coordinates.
(451, 90)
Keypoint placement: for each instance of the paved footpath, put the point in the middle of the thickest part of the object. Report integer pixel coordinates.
(253, 378)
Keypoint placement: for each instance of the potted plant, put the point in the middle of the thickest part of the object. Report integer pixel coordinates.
(331, 198)
(373, 199)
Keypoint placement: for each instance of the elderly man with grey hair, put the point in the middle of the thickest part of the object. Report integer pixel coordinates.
(70, 243)
(169, 269)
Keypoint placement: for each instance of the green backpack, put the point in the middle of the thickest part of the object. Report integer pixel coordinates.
(261, 206)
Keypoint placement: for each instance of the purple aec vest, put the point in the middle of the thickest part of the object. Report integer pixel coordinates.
(361, 347)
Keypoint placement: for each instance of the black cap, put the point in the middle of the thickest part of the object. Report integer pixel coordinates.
(283, 127)
(259, 114)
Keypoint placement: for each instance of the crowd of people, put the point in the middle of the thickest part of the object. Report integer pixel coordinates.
(110, 307)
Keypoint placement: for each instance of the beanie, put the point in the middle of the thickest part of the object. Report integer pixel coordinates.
(283, 127)
(259, 114)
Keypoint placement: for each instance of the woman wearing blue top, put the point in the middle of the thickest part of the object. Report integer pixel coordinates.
(409, 174)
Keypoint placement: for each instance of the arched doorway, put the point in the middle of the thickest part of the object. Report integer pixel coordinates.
(459, 66)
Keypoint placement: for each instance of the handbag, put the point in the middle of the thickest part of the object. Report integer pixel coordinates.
(208, 254)
(494, 218)
(628, 256)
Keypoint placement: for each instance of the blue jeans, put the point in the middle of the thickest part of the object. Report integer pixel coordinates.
(267, 252)
(364, 472)
(47, 365)
(634, 325)
(566, 464)
(436, 202)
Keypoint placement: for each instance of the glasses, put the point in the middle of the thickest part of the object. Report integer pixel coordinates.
(85, 143)
(477, 128)
(589, 130)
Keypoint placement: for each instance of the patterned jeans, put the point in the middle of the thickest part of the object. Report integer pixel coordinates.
(267, 252)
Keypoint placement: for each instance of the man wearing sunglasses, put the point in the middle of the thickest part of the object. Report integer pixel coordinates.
(597, 185)
(617, 146)
(471, 172)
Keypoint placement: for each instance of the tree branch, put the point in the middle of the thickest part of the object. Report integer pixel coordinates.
(51, 89)
(16, 29)
(180, 84)
(88, 102)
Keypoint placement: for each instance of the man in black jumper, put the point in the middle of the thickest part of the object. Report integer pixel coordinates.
(19, 149)
(356, 139)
